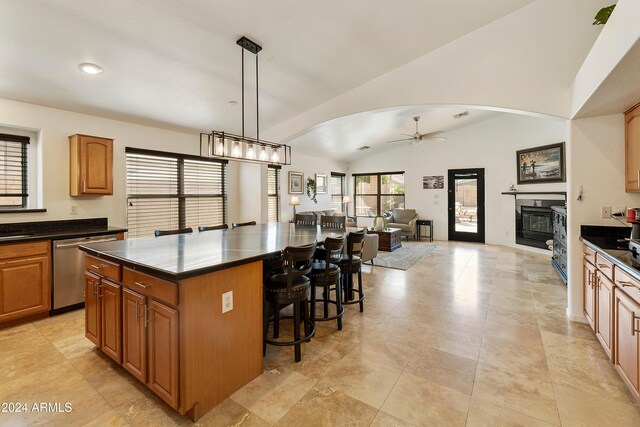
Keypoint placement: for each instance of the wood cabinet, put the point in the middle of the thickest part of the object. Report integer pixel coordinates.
(134, 335)
(162, 348)
(90, 165)
(604, 318)
(627, 339)
(632, 149)
(589, 295)
(25, 280)
(103, 312)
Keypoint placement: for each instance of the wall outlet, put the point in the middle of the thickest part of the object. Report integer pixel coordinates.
(606, 212)
(74, 209)
(227, 301)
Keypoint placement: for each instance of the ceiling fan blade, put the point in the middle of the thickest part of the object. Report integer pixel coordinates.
(400, 140)
(432, 135)
(434, 138)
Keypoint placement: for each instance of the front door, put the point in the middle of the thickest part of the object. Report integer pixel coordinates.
(466, 205)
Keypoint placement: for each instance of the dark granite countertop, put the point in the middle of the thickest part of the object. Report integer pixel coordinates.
(606, 241)
(55, 230)
(178, 257)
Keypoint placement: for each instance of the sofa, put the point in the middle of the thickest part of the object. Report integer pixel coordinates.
(405, 220)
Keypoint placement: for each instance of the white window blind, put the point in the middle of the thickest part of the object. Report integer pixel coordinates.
(166, 191)
(337, 191)
(13, 171)
(378, 193)
(273, 183)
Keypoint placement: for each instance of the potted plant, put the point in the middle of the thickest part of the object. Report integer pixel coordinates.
(312, 189)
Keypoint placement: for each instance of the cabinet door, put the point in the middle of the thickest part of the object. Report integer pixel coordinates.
(163, 352)
(604, 304)
(134, 334)
(632, 150)
(24, 287)
(588, 289)
(627, 339)
(96, 165)
(110, 295)
(92, 309)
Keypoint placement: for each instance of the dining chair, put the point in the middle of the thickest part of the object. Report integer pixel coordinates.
(242, 224)
(305, 219)
(213, 227)
(159, 233)
(333, 221)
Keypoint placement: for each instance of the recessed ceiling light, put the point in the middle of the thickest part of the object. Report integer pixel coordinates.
(90, 68)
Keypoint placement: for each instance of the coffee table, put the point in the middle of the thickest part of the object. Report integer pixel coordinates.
(390, 239)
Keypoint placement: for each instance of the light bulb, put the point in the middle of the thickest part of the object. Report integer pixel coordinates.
(263, 154)
(251, 152)
(275, 157)
(219, 147)
(235, 152)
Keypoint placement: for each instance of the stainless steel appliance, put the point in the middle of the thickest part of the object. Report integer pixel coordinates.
(68, 272)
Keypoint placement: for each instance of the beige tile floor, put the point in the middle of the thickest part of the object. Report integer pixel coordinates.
(471, 335)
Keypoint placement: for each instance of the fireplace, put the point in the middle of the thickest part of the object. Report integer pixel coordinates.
(534, 225)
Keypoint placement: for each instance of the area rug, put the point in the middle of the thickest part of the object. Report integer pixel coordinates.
(403, 258)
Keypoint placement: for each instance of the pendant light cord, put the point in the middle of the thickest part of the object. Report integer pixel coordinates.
(257, 104)
(242, 92)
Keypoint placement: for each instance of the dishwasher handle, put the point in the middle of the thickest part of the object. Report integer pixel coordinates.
(71, 245)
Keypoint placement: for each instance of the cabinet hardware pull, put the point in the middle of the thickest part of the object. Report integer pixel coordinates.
(84, 183)
(138, 315)
(100, 294)
(603, 266)
(633, 323)
(142, 285)
(624, 283)
(638, 177)
(95, 289)
(146, 315)
(99, 266)
(590, 279)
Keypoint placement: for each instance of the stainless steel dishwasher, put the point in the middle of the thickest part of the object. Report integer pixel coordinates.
(68, 272)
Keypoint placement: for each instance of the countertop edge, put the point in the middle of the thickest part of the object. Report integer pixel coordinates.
(64, 235)
(164, 274)
(615, 261)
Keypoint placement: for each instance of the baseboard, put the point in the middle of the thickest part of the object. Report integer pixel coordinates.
(575, 317)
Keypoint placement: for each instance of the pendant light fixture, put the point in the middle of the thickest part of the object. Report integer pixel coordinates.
(220, 144)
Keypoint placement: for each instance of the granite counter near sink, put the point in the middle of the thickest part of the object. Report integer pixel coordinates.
(56, 230)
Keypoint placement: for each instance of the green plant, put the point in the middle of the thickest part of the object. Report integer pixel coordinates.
(603, 15)
(312, 189)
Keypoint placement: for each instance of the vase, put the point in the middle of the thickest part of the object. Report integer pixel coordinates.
(379, 223)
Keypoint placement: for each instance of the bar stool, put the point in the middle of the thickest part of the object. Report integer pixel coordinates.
(326, 274)
(333, 221)
(290, 287)
(212, 227)
(350, 264)
(242, 224)
(159, 233)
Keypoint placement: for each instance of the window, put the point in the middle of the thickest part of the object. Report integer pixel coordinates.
(166, 191)
(337, 191)
(378, 193)
(13, 171)
(273, 184)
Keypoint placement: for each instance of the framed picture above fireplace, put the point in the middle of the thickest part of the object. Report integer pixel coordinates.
(541, 164)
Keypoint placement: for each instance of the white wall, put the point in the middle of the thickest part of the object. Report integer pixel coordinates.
(596, 161)
(310, 166)
(490, 144)
(55, 126)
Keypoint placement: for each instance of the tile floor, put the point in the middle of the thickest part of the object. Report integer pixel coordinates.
(471, 335)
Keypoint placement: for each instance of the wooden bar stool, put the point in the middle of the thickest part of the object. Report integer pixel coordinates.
(302, 219)
(212, 227)
(333, 221)
(350, 264)
(290, 287)
(326, 274)
(159, 233)
(242, 224)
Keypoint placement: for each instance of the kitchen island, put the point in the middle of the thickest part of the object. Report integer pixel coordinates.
(155, 306)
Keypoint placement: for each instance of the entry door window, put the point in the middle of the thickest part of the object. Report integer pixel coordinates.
(466, 205)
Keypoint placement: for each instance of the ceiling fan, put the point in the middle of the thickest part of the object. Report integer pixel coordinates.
(418, 137)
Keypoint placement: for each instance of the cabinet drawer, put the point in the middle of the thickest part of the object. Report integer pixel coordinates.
(154, 287)
(102, 267)
(604, 266)
(20, 250)
(629, 284)
(589, 254)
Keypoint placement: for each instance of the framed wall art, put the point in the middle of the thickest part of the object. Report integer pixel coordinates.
(296, 182)
(435, 182)
(540, 165)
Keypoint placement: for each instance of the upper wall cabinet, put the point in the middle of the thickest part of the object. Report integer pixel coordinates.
(91, 165)
(632, 149)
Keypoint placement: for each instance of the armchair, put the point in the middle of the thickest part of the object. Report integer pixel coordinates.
(405, 220)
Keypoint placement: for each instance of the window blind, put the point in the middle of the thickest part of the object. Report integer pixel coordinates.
(13, 171)
(379, 193)
(337, 191)
(273, 184)
(166, 191)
